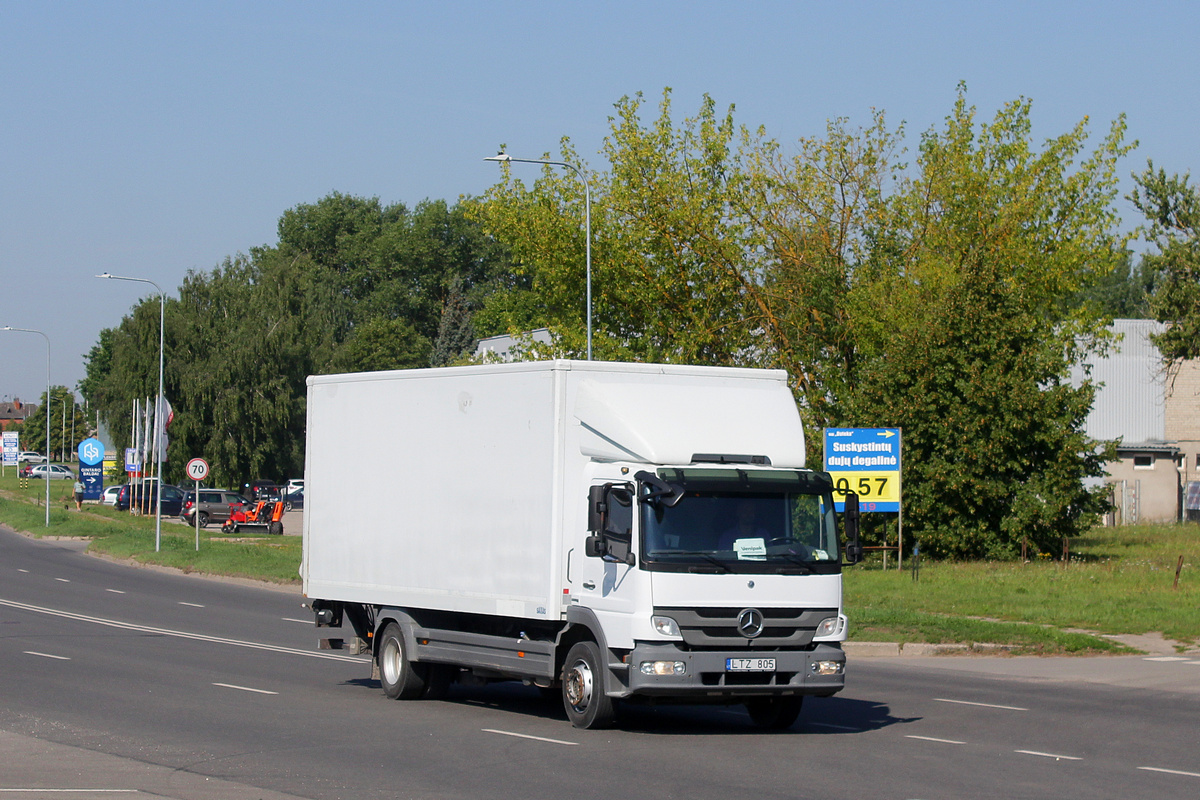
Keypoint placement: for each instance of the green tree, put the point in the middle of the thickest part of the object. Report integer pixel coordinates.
(939, 297)
(1172, 209)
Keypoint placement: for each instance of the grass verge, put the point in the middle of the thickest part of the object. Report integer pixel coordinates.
(1118, 580)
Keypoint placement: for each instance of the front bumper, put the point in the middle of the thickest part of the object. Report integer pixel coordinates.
(705, 677)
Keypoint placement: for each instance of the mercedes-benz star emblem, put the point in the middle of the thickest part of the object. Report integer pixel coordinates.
(750, 623)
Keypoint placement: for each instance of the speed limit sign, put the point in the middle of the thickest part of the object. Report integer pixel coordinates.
(197, 469)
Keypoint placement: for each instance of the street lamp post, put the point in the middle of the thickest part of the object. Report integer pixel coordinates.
(504, 158)
(158, 409)
(47, 410)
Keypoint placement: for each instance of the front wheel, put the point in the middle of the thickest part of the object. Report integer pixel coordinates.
(774, 713)
(401, 678)
(583, 688)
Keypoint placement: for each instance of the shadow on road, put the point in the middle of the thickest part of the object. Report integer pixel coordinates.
(821, 715)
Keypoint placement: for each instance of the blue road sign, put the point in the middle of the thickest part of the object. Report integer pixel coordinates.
(865, 461)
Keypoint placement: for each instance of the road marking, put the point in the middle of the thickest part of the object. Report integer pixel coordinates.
(932, 739)
(23, 570)
(190, 605)
(527, 736)
(1166, 658)
(62, 580)
(72, 791)
(1172, 771)
(981, 705)
(128, 626)
(1055, 756)
(115, 591)
(46, 655)
(304, 621)
(244, 688)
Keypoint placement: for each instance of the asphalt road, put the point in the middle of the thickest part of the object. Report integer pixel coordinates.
(115, 680)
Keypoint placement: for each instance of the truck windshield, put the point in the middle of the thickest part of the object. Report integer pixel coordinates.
(741, 521)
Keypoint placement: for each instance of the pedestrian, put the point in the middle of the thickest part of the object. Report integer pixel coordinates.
(78, 495)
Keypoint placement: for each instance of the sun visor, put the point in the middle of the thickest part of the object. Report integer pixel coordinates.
(668, 421)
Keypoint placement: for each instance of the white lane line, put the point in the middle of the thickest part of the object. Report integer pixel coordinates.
(62, 580)
(127, 626)
(981, 705)
(244, 688)
(830, 725)
(46, 655)
(1172, 771)
(23, 570)
(1055, 756)
(932, 739)
(115, 591)
(527, 736)
(303, 621)
(190, 605)
(1166, 658)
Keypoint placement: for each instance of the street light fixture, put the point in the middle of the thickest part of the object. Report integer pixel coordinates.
(47, 410)
(504, 158)
(158, 408)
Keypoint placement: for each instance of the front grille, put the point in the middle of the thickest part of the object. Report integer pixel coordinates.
(716, 628)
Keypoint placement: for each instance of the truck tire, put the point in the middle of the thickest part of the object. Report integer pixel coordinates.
(774, 713)
(401, 679)
(583, 688)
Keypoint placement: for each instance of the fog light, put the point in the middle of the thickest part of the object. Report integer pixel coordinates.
(663, 668)
(828, 667)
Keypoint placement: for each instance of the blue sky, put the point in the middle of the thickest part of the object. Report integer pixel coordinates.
(152, 138)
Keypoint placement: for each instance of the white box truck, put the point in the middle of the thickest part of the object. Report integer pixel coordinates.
(621, 532)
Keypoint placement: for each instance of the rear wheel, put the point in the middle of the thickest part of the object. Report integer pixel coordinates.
(583, 688)
(774, 713)
(401, 678)
(203, 518)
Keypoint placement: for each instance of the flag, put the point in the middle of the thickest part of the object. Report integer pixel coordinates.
(163, 421)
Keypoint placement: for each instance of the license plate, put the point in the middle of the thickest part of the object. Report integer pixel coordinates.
(749, 665)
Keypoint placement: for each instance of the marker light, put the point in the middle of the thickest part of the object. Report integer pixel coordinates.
(665, 626)
(830, 627)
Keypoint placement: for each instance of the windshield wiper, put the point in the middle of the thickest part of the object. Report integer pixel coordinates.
(707, 556)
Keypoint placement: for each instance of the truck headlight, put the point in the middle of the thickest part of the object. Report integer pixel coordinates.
(665, 626)
(828, 667)
(663, 668)
(831, 628)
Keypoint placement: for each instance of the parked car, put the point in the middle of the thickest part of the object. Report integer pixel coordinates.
(215, 505)
(294, 500)
(260, 489)
(147, 497)
(51, 472)
(109, 496)
(293, 484)
(30, 457)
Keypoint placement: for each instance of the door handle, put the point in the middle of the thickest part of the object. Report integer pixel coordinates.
(589, 584)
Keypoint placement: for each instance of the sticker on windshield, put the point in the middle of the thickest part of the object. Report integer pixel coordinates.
(750, 549)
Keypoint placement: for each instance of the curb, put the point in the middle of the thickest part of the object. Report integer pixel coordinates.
(921, 649)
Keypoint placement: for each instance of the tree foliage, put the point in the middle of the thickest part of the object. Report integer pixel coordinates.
(1172, 209)
(940, 297)
(351, 285)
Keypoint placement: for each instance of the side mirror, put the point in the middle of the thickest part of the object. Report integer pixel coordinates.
(596, 509)
(854, 551)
